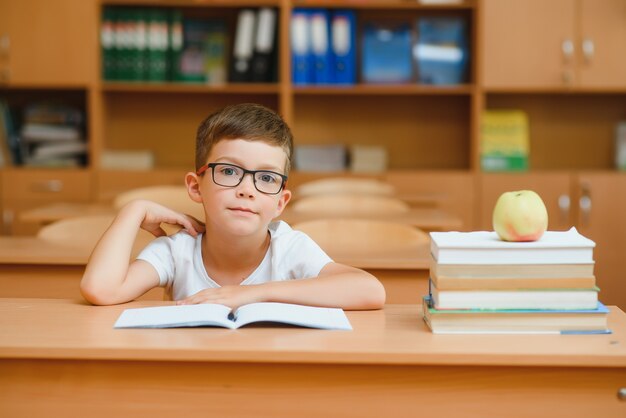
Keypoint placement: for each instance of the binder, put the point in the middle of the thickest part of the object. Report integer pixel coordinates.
(123, 44)
(175, 45)
(441, 52)
(107, 43)
(241, 63)
(386, 55)
(138, 45)
(320, 46)
(192, 64)
(301, 59)
(215, 52)
(264, 58)
(343, 42)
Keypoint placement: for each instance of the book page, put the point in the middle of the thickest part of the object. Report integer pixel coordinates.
(300, 315)
(176, 316)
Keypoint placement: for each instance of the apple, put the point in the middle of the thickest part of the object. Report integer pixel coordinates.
(520, 216)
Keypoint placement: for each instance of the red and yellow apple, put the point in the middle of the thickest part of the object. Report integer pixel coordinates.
(520, 216)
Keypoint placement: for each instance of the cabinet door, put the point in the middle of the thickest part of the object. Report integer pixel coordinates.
(528, 43)
(554, 189)
(601, 200)
(48, 42)
(602, 42)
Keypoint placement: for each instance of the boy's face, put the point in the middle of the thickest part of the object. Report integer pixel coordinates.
(241, 210)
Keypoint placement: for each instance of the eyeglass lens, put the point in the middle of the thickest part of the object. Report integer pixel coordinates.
(229, 175)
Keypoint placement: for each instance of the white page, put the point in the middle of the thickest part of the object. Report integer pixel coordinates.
(176, 316)
(307, 316)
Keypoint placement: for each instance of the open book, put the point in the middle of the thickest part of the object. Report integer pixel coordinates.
(215, 315)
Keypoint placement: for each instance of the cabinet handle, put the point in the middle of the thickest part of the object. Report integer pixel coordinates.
(49, 186)
(5, 46)
(588, 50)
(568, 50)
(564, 206)
(5, 75)
(621, 394)
(8, 216)
(584, 203)
(568, 77)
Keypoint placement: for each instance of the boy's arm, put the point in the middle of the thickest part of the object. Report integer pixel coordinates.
(108, 277)
(337, 286)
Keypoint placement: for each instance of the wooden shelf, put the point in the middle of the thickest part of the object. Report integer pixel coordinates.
(195, 3)
(167, 87)
(383, 5)
(385, 89)
(553, 90)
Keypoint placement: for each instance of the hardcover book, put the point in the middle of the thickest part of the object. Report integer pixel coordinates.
(485, 247)
(512, 276)
(215, 315)
(504, 140)
(515, 298)
(476, 321)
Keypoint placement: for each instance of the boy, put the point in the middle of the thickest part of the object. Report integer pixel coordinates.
(239, 255)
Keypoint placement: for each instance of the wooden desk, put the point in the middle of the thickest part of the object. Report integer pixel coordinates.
(30, 267)
(428, 219)
(58, 211)
(33, 268)
(61, 358)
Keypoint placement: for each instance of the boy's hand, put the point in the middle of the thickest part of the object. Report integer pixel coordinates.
(155, 214)
(232, 296)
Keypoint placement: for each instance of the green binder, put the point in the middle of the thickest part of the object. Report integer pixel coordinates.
(107, 43)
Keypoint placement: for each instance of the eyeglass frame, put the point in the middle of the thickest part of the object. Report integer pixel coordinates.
(212, 166)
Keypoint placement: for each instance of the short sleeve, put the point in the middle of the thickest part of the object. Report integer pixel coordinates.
(296, 255)
(159, 254)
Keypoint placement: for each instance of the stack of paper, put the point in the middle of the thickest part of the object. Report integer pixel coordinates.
(480, 283)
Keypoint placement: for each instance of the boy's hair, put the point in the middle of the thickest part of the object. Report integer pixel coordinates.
(249, 121)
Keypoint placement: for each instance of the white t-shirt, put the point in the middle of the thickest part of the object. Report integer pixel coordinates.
(178, 260)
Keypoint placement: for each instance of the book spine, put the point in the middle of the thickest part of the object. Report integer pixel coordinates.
(107, 43)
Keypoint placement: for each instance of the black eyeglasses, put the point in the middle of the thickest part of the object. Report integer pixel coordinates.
(231, 175)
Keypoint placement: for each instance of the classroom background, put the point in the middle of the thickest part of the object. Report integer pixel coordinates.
(450, 103)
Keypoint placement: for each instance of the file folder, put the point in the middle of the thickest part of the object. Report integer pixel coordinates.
(301, 59)
(241, 63)
(320, 46)
(343, 41)
(264, 58)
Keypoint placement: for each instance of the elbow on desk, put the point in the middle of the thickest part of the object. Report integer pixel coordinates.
(95, 294)
(375, 296)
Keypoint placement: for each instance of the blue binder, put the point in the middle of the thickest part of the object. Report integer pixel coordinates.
(441, 51)
(301, 58)
(343, 42)
(386, 54)
(319, 24)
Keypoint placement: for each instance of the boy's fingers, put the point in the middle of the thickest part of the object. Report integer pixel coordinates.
(197, 224)
(157, 232)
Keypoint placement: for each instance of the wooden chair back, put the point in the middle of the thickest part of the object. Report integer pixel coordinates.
(362, 236)
(85, 232)
(174, 197)
(334, 205)
(344, 185)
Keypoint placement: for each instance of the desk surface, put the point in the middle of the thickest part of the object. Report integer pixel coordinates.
(397, 335)
(58, 211)
(429, 219)
(30, 250)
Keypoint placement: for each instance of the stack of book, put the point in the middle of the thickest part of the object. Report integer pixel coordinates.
(52, 135)
(481, 284)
